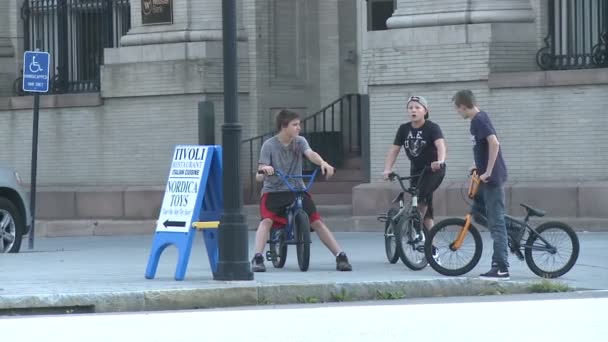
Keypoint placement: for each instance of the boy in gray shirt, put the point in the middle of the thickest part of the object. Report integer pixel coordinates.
(285, 152)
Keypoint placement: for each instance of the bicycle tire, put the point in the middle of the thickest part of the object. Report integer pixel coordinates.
(390, 243)
(571, 260)
(405, 226)
(278, 249)
(441, 268)
(302, 230)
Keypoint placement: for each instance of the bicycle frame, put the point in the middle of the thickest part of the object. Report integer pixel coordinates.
(473, 188)
(530, 230)
(413, 191)
(298, 201)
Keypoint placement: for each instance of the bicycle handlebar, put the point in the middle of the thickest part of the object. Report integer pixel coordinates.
(284, 177)
(393, 175)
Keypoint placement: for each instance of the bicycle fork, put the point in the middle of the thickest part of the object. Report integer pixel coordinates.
(454, 246)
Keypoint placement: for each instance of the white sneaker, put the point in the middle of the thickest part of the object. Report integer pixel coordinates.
(436, 255)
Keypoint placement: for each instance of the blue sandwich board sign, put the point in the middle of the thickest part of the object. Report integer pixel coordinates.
(193, 194)
(36, 71)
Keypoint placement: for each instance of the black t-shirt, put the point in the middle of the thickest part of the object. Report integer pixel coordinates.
(481, 128)
(419, 143)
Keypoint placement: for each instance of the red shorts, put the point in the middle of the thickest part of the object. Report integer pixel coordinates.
(273, 205)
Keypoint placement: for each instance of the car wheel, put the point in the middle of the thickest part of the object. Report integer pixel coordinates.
(11, 227)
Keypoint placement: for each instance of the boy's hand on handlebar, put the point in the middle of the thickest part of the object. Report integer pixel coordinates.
(267, 170)
(386, 174)
(437, 165)
(327, 169)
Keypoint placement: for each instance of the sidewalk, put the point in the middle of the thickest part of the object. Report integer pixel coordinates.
(106, 274)
(338, 217)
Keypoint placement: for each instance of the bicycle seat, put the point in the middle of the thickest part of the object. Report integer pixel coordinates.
(398, 198)
(533, 211)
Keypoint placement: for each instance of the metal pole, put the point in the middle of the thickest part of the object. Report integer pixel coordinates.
(34, 164)
(233, 261)
(33, 169)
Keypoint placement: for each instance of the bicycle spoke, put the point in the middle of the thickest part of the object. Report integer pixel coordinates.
(553, 261)
(453, 259)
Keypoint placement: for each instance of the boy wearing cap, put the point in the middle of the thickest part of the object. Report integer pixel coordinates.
(490, 199)
(425, 147)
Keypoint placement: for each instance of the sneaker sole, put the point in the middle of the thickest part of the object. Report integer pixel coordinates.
(494, 278)
(344, 270)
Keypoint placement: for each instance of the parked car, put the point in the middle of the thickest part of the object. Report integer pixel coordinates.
(15, 214)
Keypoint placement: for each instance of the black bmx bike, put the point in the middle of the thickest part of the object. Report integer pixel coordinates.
(550, 250)
(404, 235)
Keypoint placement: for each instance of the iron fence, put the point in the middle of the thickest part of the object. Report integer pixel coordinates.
(577, 35)
(334, 131)
(74, 32)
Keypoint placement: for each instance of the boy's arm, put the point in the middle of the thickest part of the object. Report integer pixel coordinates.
(493, 146)
(264, 163)
(315, 158)
(441, 154)
(393, 151)
(391, 157)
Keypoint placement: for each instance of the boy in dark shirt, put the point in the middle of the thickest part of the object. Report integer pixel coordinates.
(424, 145)
(490, 165)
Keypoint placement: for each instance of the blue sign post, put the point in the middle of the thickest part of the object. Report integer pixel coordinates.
(36, 71)
(36, 75)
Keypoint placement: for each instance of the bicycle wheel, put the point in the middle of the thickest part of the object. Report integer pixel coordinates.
(302, 232)
(452, 262)
(390, 243)
(278, 247)
(566, 251)
(410, 245)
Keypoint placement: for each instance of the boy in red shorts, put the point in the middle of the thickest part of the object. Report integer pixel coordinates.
(285, 152)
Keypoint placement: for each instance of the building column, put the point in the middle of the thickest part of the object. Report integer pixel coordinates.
(329, 51)
(511, 34)
(9, 19)
(193, 21)
(181, 57)
(457, 12)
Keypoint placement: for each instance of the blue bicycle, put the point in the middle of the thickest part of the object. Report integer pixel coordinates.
(297, 230)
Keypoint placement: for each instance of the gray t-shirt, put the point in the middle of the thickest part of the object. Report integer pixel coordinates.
(287, 159)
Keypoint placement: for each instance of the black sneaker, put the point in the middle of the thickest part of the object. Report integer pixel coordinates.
(342, 263)
(257, 263)
(497, 273)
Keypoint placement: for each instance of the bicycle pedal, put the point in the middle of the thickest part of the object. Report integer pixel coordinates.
(270, 256)
(519, 255)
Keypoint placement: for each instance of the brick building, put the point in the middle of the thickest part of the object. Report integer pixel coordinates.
(128, 81)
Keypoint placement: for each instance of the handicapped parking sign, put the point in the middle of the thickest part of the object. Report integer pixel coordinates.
(36, 70)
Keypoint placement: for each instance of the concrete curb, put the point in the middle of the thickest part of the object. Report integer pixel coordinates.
(242, 294)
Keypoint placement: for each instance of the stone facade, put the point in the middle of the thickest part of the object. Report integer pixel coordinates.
(117, 142)
(548, 122)
(151, 85)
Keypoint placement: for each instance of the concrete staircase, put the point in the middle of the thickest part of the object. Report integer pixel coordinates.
(338, 189)
(335, 191)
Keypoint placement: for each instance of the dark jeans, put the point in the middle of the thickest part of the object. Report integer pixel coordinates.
(489, 210)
